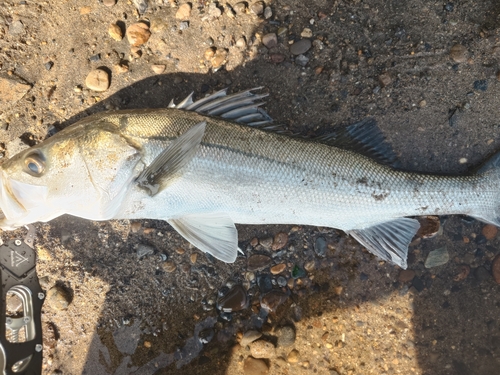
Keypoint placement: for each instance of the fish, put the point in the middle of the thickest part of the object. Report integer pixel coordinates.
(204, 166)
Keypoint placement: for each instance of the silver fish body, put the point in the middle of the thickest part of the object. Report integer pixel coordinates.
(238, 174)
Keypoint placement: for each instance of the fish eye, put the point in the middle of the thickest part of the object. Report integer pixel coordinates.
(35, 164)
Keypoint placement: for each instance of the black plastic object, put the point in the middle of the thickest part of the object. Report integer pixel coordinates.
(21, 305)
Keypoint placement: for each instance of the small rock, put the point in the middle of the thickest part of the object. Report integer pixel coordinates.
(459, 53)
(240, 8)
(406, 276)
(293, 356)
(234, 300)
(266, 243)
(143, 250)
(183, 25)
(141, 5)
(138, 34)
(109, 3)
(241, 42)
(209, 53)
(286, 336)
(429, 226)
(277, 269)
(169, 266)
(258, 262)
(464, 272)
(249, 337)
(121, 68)
(257, 8)
(135, 52)
(253, 366)
(214, 11)
(206, 335)
(320, 246)
(300, 47)
(270, 40)
(219, 58)
(115, 32)
(298, 272)
(481, 85)
(58, 298)
(85, 10)
(384, 79)
(12, 90)
(281, 281)
(495, 269)
(277, 58)
(184, 12)
(489, 231)
(265, 283)
(95, 58)
(97, 80)
(262, 349)
(268, 13)
(272, 300)
(193, 257)
(280, 241)
(158, 69)
(437, 258)
(306, 33)
(48, 65)
(309, 266)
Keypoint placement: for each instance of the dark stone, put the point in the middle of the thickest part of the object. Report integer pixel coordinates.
(481, 274)
(363, 276)
(95, 57)
(48, 65)
(320, 246)
(206, 335)
(234, 300)
(298, 272)
(264, 282)
(418, 284)
(258, 262)
(481, 85)
(272, 300)
(480, 239)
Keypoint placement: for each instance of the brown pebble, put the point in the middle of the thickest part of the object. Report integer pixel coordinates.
(459, 53)
(262, 349)
(58, 298)
(277, 57)
(464, 272)
(254, 242)
(148, 230)
(193, 257)
(318, 70)
(158, 69)
(490, 231)
(209, 53)
(109, 3)
(277, 269)
(270, 40)
(97, 80)
(310, 266)
(180, 250)
(406, 276)
(121, 68)
(258, 262)
(138, 34)
(325, 336)
(272, 300)
(384, 79)
(495, 268)
(429, 226)
(135, 226)
(338, 290)
(219, 58)
(85, 10)
(184, 12)
(136, 52)
(280, 241)
(147, 344)
(169, 266)
(115, 32)
(253, 366)
(293, 356)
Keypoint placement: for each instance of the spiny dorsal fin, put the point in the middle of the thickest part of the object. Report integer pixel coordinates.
(363, 137)
(179, 153)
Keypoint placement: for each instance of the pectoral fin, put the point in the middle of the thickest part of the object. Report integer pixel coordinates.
(388, 240)
(179, 153)
(212, 233)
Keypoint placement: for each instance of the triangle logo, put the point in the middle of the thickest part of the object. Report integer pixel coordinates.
(17, 259)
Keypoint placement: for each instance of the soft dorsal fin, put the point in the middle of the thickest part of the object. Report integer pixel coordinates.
(242, 107)
(388, 240)
(363, 137)
(180, 152)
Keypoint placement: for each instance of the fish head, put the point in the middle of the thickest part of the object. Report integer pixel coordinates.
(82, 171)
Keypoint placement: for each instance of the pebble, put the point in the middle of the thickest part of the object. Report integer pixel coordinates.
(258, 262)
(301, 60)
(310, 266)
(429, 226)
(219, 59)
(115, 32)
(121, 68)
(481, 274)
(58, 298)
(481, 85)
(158, 69)
(272, 300)
(141, 5)
(193, 257)
(234, 300)
(184, 12)
(280, 241)
(95, 58)
(406, 276)
(253, 366)
(266, 243)
(277, 269)
(241, 42)
(293, 356)
(206, 335)
(298, 272)
(249, 337)
(277, 58)
(138, 34)
(143, 250)
(300, 47)
(459, 53)
(495, 268)
(214, 11)
(257, 8)
(11, 91)
(286, 336)
(209, 53)
(85, 10)
(183, 25)
(169, 266)
(265, 283)
(262, 349)
(270, 40)
(306, 33)
(281, 281)
(320, 246)
(48, 65)
(437, 258)
(109, 3)
(240, 8)
(384, 79)
(489, 231)
(97, 80)
(464, 272)
(268, 13)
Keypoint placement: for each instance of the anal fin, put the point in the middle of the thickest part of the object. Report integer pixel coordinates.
(212, 233)
(388, 240)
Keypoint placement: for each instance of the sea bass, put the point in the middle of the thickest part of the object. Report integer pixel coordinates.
(204, 166)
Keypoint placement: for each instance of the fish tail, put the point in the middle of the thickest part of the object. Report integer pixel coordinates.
(490, 171)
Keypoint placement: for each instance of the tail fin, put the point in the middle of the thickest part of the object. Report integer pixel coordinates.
(491, 172)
